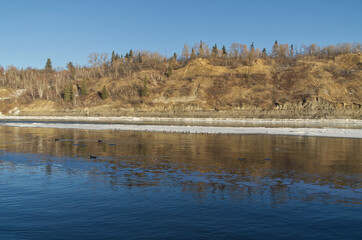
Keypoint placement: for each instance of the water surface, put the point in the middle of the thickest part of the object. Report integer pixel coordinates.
(140, 185)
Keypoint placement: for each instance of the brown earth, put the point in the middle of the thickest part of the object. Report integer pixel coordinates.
(308, 89)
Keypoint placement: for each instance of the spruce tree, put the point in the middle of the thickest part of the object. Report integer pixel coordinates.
(175, 56)
(291, 51)
(264, 53)
(71, 70)
(201, 50)
(48, 66)
(145, 88)
(169, 71)
(67, 94)
(84, 89)
(252, 52)
(252, 49)
(117, 57)
(215, 51)
(224, 50)
(70, 65)
(104, 93)
(113, 58)
(275, 49)
(71, 92)
(130, 53)
(193, 54)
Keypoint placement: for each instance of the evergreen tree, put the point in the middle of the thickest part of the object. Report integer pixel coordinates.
(224, 50)
(144, 92)
(48, 66)
(104, 94)
(193, 54)
(139, 57)
(117, 57)
(252, 52)
(291, 51)
(264, 53)
(72, 97)
(169, 71)
(175, 56)
(71, 70)
(68, 93)
(84, 89)
(70, 65)
(215, 50)
(252, 47)
(130, 55)
(275, 49)
(113, 58)
(201, 50)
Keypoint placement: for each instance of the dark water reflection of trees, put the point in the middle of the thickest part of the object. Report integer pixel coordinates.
(231, 166)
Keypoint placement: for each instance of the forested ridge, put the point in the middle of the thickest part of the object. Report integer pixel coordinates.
(306, 78)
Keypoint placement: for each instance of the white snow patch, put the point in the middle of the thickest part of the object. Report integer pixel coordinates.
(14, 111)
(322, 132)
(293, 131)
(179, 119)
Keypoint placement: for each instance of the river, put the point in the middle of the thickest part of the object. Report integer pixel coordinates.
(108, 184)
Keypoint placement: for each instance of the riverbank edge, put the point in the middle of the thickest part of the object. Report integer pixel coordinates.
(177, 119)
(103, 124)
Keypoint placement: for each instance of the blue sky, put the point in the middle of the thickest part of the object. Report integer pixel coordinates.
(32, 31)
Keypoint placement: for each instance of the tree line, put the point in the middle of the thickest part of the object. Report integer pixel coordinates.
(63, 84)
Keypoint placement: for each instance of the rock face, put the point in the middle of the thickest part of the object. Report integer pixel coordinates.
(199, 89)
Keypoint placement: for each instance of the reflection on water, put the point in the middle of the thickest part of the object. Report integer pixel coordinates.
(217, 171)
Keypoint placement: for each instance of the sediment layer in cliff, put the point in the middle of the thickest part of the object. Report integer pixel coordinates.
(305, 89)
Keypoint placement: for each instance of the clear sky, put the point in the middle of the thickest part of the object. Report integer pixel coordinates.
(33, 30)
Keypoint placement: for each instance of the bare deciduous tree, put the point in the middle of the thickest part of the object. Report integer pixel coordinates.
(186, 52)
(97, 59)
(40, 86)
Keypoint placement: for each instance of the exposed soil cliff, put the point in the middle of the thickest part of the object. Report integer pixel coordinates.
(199, 89)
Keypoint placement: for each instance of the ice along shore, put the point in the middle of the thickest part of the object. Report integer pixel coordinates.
(135, 124)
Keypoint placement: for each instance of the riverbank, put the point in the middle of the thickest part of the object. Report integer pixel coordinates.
(295, 127)
(176, 119)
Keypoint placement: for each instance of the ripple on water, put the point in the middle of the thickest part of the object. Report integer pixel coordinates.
(163, 185)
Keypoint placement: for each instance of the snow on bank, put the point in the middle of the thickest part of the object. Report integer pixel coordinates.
(321, 132)
(177, 119)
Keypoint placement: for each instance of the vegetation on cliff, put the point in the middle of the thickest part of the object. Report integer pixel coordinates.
(200, 79)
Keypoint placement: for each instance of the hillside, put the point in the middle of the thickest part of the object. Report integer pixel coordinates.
(307, 88)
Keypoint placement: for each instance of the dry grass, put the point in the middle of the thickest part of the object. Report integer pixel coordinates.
(201, 85)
